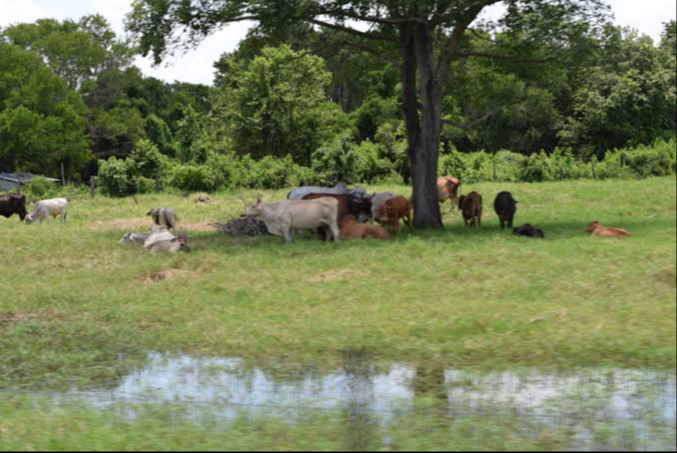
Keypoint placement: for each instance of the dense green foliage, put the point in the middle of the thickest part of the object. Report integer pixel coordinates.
(309, 106)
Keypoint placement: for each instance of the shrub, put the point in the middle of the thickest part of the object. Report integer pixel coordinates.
(536, 168)
(193, 178)
(145, 185)
(337, 161)
(148, 161)
(39, 187)
(117, 177)
(370, 164)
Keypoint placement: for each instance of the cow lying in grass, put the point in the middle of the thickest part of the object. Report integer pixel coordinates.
(529, 231)
(284, 217)
(176, 244)
(158, 239)
(48, 208)
(350, 229)
(597, 229)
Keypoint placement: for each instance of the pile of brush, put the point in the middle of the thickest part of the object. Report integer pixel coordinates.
(242, 226)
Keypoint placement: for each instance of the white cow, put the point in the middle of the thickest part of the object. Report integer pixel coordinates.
(136, 238)
(288, 215)
(157, 234)
(48, 208)
(177, 244)
(164, 216)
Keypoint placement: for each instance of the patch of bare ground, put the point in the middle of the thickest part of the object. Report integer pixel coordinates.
(668, 276)
(10, 318)
(137, 224)
(166, 274)
(332, 276)
(200, 226)
(142, 225)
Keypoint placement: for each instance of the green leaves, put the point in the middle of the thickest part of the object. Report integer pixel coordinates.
(277, 105)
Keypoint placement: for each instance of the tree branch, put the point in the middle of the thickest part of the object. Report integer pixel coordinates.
(352, 31)
(454, 42)
(514, 58)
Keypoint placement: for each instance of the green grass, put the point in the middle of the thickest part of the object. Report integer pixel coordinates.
(30, 425)
(77, 307)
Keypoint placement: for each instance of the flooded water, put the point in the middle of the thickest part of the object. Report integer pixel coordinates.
(643, 402)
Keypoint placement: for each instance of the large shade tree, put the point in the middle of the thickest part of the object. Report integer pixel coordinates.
(427, 34)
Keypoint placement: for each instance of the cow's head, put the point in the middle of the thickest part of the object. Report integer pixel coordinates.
(461, 199)
(255, 209)
(592, 227)
(182, 241)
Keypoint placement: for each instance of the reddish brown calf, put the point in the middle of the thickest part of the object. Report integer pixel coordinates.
(390, 213)
(471, 206)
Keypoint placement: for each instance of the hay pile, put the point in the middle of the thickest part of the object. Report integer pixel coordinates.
(243, 226)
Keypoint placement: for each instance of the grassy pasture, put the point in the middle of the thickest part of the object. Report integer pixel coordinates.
(77, 307)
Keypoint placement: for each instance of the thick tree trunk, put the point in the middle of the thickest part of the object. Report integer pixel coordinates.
(423, 128)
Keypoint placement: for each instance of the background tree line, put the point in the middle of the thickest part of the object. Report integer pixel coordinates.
(307, 104)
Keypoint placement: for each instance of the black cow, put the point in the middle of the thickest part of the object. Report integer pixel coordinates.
(13, 204)
(505, 206)
(528, 230)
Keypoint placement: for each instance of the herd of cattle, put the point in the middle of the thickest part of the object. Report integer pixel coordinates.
(337, 213)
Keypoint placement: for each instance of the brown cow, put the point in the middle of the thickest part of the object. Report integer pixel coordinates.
(447, 189)
(390, 213)
(350, 229)
(471, 205)
(597, 229)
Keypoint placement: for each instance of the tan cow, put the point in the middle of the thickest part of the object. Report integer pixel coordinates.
(288, 215)
(350, 229)
(447, 189)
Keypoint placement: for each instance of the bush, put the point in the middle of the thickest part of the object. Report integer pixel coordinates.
(370, 164)
(39, 187)
(337, 161)
(117, 177)
(145, 185)
(148, 161)
(193, 178)
(536, 168)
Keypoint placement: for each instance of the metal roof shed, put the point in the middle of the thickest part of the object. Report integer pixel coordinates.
(13, 181)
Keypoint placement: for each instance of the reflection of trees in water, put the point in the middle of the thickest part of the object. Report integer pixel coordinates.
(429, 383)
(360, 426)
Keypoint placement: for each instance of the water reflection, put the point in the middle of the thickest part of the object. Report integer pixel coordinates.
(371, 395)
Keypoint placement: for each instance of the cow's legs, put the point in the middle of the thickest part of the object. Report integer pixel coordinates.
(335, 231)
(286, 231)
(502, 224)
